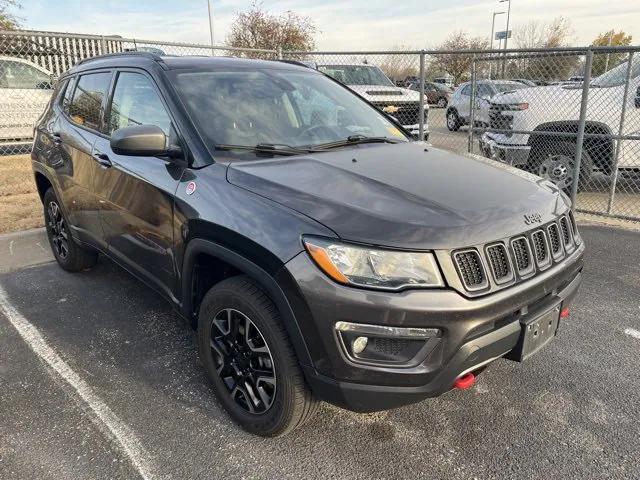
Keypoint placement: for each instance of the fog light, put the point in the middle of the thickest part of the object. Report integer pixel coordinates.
(359, 344)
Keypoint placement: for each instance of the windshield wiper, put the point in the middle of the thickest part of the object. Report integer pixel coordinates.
(267, 148)
(356, 140)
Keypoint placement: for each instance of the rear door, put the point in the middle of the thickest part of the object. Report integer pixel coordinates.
(75, 132)
(463, 105)
(136, 193)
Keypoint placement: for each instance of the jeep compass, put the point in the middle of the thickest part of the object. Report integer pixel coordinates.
(319, 254)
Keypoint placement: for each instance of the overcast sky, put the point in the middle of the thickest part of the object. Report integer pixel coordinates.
(342, 25)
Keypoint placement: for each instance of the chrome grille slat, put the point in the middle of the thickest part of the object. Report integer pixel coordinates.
(567, 236)
(554, 240)
(500, 263)
(471, 270)
(522, 255)
(541, 248)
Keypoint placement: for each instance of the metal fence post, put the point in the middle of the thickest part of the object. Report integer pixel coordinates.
(280, 57)
(472, 104)
(581, 123)
(623, 114)
(103, 45)
(421, 101)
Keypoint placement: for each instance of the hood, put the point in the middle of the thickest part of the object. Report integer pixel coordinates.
(384, 93)
(563, 93)
(405, 195)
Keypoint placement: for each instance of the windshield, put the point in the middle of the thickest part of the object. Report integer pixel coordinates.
(276, 106)
(617, 76)
(357, 74)
(507, 87)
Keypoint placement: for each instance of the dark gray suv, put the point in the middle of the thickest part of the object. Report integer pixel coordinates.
(318, 252)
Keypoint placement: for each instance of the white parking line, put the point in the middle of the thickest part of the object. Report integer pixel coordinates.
(106, 419)
(632, 333)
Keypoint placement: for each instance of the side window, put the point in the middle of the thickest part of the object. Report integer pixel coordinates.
(20, 75)
(466, 90)
(484, 91)
(136, 102)
(66, 100)
(86, 105)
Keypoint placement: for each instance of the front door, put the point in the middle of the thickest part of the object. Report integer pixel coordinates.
(136, 193)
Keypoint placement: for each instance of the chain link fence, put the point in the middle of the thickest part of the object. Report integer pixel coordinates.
(30, 62)
(569, 115)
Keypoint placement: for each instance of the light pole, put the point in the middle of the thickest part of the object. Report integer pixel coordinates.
(210, 25)
(506, 37)
(493, 27)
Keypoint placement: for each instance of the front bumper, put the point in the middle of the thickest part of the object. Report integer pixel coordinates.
(414, 130)
(474, 332)
(515, 155)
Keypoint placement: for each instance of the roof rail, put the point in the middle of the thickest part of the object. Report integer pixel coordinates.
(130, 53)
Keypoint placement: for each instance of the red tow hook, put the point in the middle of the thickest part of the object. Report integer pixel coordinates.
(465, 382)
(564, 313)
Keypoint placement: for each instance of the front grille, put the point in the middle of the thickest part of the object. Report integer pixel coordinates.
(407, 113)
(470, 269)
(499, 263)
(540, 248)
(498, 119)
(566, 232)
(512, 260)
(522, 254)
(554, 239)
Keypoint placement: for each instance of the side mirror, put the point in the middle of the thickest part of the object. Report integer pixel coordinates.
(140, 140)
(637, 99)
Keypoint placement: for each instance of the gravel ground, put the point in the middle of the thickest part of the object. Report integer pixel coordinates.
(571, 411)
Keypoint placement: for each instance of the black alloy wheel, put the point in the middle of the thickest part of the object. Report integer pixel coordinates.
(243, 360)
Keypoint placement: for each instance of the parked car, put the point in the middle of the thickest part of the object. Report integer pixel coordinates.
(319, 254)
(25, 89)
(447, 80)
(525, 81)
(436, 93)
(459, 111)
(557, 109)
(373, 85)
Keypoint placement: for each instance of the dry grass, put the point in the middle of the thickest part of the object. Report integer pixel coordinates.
(20, 206)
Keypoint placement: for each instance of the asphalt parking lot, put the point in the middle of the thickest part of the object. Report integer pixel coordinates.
(116, 391)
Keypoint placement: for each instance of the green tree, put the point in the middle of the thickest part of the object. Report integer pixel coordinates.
(257, 28)
(9, 21)
(605, 61)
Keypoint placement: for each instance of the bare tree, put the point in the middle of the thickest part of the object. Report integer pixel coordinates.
(603, 62)
(458, 65)
(554, 34)
(8, 21)
(257, 28)
(400, 66)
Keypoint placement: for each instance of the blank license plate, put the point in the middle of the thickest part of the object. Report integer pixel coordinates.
(539, 331)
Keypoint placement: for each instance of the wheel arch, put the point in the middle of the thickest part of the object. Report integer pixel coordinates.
(600, 149)
(42, 184)
(203, 252)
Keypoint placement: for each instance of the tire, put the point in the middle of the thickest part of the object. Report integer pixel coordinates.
(68, 253)
(442, 102)
(453, 121)
(281, 406)
(555, 161)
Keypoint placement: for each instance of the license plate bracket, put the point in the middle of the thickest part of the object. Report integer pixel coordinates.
(536, 333)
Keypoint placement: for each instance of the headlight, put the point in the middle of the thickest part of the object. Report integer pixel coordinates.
(374, 268)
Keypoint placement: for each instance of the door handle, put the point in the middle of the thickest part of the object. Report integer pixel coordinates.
(102, 159)
(57, 139)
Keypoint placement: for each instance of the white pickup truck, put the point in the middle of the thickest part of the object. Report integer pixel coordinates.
(25, 90)
(556, 109)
